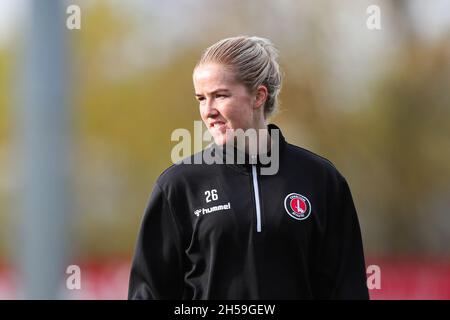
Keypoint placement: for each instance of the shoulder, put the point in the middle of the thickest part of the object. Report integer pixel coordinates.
(313, 162)
(187, 170)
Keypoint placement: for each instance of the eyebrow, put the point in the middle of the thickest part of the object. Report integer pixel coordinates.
(215, 91)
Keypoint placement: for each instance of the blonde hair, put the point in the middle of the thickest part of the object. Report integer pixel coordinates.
(254, 61)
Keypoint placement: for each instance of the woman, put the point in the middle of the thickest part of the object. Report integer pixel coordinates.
(227, 231)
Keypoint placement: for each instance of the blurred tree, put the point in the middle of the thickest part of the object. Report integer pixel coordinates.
(5, 183)
(393, 148)
(125, 125)
(5, 89)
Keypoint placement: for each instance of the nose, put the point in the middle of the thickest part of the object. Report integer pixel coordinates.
(210, 110)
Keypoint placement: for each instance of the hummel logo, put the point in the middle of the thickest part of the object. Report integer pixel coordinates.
(212, 209)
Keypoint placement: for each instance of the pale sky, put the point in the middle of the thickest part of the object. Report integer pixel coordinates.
(11, 11)
(432, 17)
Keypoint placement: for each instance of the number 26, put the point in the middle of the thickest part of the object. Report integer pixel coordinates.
(211, 195)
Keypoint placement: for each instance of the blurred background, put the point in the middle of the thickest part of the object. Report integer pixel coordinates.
(86, 118)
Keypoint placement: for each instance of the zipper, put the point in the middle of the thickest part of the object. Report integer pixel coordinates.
(257, 202)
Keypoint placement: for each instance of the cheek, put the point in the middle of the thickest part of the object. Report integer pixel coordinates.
(241, 111)
(203, 113)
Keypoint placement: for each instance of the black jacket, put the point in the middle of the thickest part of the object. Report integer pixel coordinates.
(223, 231)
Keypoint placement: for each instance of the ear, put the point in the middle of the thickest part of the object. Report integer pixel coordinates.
(261, 95)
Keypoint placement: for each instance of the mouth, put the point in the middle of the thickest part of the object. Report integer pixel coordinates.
(218, 125)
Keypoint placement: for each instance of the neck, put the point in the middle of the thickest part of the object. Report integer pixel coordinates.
(262, 138)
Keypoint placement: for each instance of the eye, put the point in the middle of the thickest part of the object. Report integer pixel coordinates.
(200, 98)
(221, 96)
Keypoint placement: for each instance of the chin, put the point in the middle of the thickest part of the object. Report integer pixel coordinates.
(220, 139)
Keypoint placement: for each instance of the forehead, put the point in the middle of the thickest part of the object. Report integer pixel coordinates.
(209, 77)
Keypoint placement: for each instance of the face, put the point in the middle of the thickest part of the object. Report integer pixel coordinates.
(225, 103)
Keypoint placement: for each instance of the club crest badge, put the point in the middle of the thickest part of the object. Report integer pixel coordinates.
(297, 206)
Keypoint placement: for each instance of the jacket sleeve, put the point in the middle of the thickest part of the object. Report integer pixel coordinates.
(340, 265)
(157, 266)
